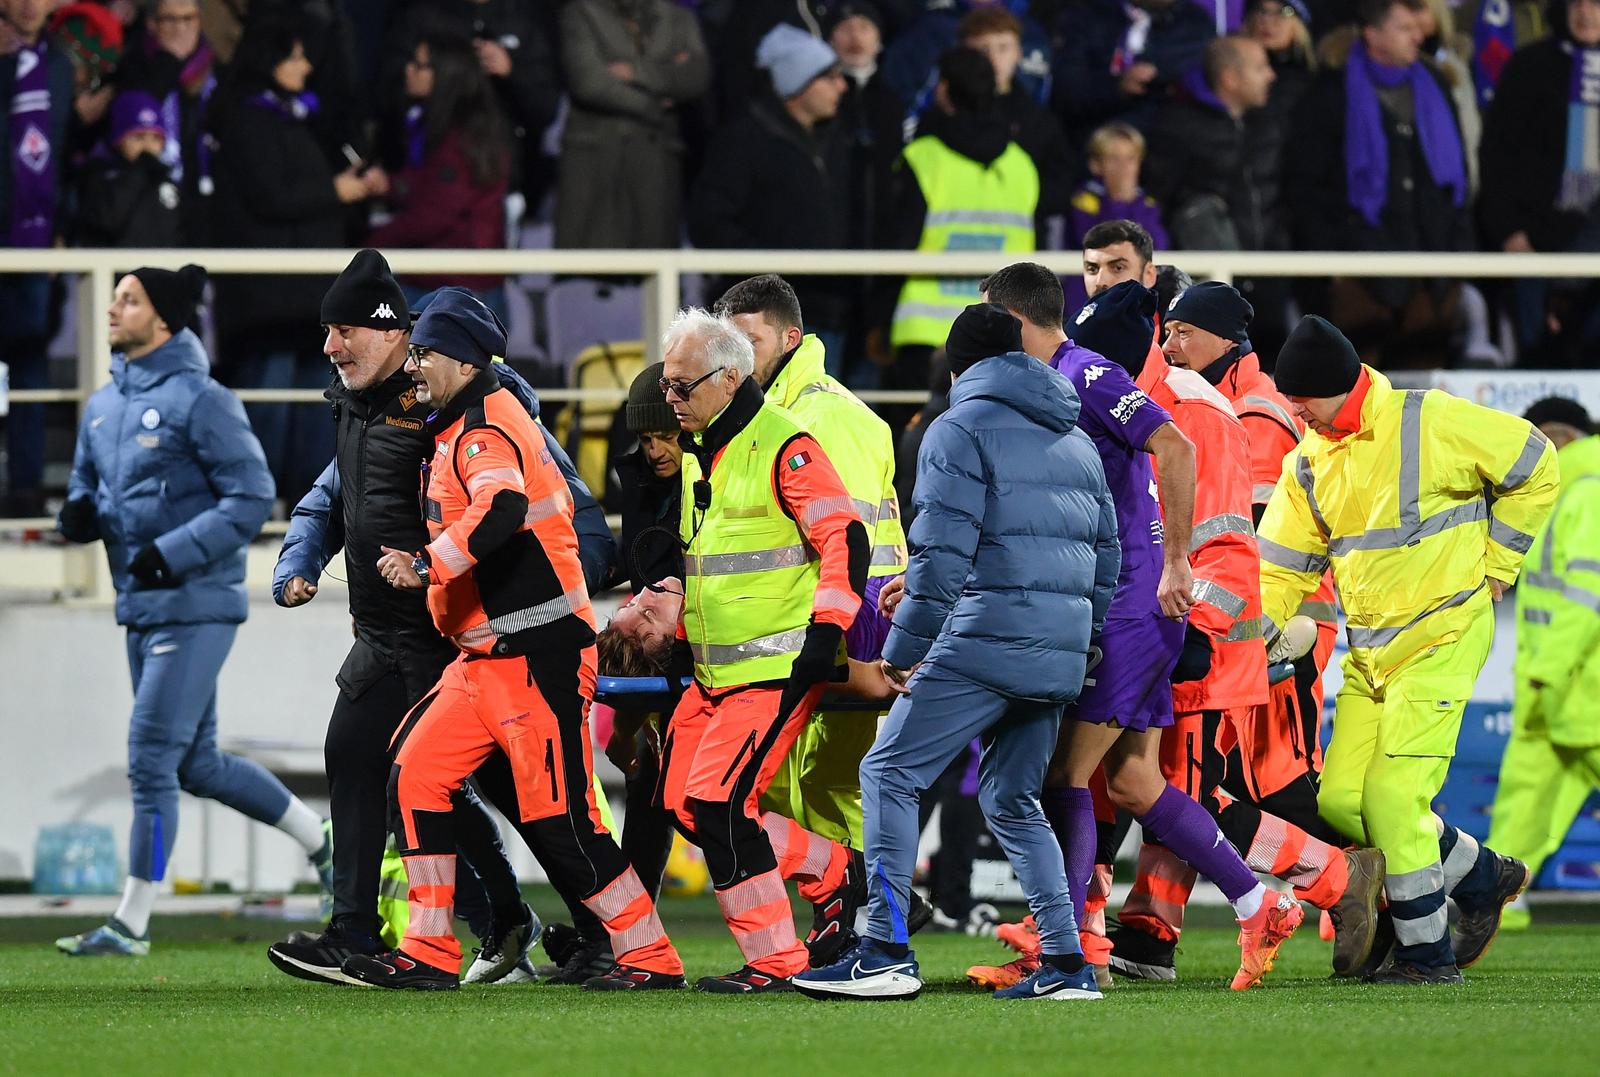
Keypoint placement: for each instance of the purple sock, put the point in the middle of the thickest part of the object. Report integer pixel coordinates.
(1189, 831)
(1071, 814)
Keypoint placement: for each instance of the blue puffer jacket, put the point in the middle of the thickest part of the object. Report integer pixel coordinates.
(169, 457)
(1014, 553)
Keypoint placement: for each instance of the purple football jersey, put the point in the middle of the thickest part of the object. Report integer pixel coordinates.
(1120, 418)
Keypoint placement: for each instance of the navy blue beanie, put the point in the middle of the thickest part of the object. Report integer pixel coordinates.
(1119, 323)
(1215, 307)
(458, 324)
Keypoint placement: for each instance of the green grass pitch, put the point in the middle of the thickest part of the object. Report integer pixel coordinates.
(207, 1002)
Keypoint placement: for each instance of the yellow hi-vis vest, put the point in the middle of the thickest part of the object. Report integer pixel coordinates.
(857, 442)
(971, 207)
(749, 579)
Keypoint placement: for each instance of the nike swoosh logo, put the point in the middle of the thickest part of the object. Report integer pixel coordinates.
(96, 421)
(1040, 989)
(856, 970)
(164, 648)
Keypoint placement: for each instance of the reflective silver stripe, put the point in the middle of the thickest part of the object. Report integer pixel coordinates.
(889, 509)
(1302, 474)
(1410, 885)
(1430, 928)
(1218, 596)
(1261, 493)
(823, 507)
(1411, 459)
(1379, 637)
(1510, 537)
(930, 310)
(508, 476)
(1275, 409)
(1537, 617)
(996, 218)
(544, 613)
(1244, 630)
(449, 554)
(837, 599)
(1392, 538)
(1522, 470)
(1583, 566)
(1570, 591)
(1270, 630)
(544, 508)
(614, 900)
(888, 554)
(774, 646)
(732, 564)
(1547, 554)
(1293, 560)
(1318, 611)
(1214, 527)
(867, 511)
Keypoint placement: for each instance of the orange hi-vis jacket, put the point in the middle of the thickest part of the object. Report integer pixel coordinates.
(1273, 746)
(1222, 551)
(503, 560)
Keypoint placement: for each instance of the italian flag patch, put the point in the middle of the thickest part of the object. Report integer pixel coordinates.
(799, 460)
(474, 449)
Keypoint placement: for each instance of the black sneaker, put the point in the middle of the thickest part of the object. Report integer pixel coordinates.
(628, 978)
(1477, 928)
(560, 940)
(747, 981)
(833, 921)
(401, 973)
(587, 961)
(1382, 946)
(1404, 972)
(1140, 956)
(321, 957)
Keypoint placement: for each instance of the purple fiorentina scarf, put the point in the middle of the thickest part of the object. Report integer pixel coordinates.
(33, 189)
(1366, 148)
(1580, 177)
(416, 135)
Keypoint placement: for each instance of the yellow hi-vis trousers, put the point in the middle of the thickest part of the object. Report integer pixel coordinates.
(1542, 786)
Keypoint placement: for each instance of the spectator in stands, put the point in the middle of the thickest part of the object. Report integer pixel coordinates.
(777, 178)
(1120, 61)
(1451, 53)
(1215, 169)
(174, 61)
(36, 92)
(1541, 187)
(911, 60)
(451, 191)
(92, 37)
(997, 33)
(960, 185)
(1374, 162)
(631, 65)
(276, 188)
(516, 53)
(1500, 30)
(127, 197)
(869, 115)
(1116, 155)
(1284, 30)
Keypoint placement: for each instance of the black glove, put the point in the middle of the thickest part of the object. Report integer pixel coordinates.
(151, 569)
(1195, 661)
(78, 521)
(818, 661)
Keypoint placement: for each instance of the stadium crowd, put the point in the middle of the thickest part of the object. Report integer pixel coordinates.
(1378, 125)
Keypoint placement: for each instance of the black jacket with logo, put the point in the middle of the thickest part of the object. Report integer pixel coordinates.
(382, 442)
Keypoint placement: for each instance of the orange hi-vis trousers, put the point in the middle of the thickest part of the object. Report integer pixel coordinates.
(1278, 834)
(539, 717)
(720, 754)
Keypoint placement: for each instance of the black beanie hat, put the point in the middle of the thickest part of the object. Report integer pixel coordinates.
(366, 293)
(1559, 409)
(1119, 323)
(1316, 361)
(458, 324)
(648, 411)
(981, 332)
(175, 295)
(1216, 308)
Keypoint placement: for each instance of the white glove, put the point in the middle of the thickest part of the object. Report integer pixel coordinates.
(1299, 635)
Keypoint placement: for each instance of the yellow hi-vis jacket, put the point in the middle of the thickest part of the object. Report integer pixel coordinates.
(1558, 610)
(971, 207)
(819, 784)
(1414, 510)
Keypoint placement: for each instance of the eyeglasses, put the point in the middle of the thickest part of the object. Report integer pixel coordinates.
(416, 354)
(681, 389)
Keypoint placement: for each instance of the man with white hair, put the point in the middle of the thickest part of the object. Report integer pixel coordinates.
(775, 564)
